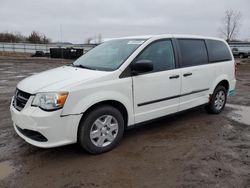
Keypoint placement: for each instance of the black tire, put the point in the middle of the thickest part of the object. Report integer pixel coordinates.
(87, 124)
(241, 56)
(211, 107)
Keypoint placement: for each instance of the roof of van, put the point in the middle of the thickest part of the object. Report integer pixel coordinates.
(169, 36)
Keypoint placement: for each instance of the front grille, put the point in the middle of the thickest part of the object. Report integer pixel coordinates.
(34, 135)
(20, 99)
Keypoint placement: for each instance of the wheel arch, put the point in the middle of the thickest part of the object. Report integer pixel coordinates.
(222, 80)
(114, 103)
(224, 83)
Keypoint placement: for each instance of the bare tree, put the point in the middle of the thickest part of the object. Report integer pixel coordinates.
(45, 40)
(88, 40)
(231, 24)
(11, 37)
(34, 37)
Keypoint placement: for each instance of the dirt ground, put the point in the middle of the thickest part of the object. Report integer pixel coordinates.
(191, 149)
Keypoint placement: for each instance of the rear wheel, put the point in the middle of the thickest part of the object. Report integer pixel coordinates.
(101, 130)
(218, 100)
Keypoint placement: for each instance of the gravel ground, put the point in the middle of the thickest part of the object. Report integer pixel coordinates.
(191, 149)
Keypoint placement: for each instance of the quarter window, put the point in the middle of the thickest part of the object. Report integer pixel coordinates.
(193, 52)
(218, 51)
(161, 54)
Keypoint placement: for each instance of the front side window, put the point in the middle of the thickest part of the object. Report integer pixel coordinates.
(109, 55)
(193, 52)
(161, 54)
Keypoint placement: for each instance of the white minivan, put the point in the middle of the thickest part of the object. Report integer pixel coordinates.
(120, 83)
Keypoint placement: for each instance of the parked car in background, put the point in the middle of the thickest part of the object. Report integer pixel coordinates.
(240, 53)
(240, 49)
(121, 83)
(67, 53)
(38, 54)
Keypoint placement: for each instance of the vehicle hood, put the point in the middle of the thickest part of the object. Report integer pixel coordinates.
(57, 79)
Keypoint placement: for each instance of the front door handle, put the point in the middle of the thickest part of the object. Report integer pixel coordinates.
(174, 77)
(187, 74)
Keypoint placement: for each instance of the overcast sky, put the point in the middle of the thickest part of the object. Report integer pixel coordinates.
(80, 19)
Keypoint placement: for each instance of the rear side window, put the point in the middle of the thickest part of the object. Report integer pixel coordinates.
(193, 52)
(218, 51)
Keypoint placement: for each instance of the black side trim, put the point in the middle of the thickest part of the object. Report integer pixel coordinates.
(158, 100)
(193, 92)
(172, 97)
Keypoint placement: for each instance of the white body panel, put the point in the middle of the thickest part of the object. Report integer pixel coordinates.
(89, 87)
(153, 87)
(198, 83)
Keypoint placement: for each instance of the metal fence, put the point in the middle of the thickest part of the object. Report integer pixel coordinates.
(32, 48)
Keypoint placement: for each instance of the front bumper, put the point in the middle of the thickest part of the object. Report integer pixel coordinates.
(56, 130)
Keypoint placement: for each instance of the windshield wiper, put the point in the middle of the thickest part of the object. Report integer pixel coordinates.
(82, 66)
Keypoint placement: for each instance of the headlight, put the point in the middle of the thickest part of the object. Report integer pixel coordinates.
(50, 101)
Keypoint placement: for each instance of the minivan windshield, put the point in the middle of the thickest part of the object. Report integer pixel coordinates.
(109, 55)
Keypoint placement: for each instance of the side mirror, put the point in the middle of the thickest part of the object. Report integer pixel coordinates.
(142, 66)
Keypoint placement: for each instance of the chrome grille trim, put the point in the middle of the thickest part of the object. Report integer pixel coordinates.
(20, 99)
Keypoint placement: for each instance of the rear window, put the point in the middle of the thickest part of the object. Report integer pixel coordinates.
(218, 51)
(193, 52)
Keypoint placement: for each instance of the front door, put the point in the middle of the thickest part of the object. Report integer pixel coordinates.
(157, 93)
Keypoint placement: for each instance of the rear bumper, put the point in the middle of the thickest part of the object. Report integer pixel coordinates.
(231, 92)
(232, 86)
(45, 129)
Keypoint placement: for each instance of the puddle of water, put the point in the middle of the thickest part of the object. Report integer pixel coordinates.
(240, 113)
(6, 169)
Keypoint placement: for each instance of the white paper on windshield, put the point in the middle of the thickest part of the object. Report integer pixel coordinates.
(138, 42)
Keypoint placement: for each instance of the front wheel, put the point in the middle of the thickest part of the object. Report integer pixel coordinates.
(101, 129)
(218, 100)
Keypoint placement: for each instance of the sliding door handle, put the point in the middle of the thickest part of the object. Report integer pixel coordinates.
(187, 74)
(174, 77)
